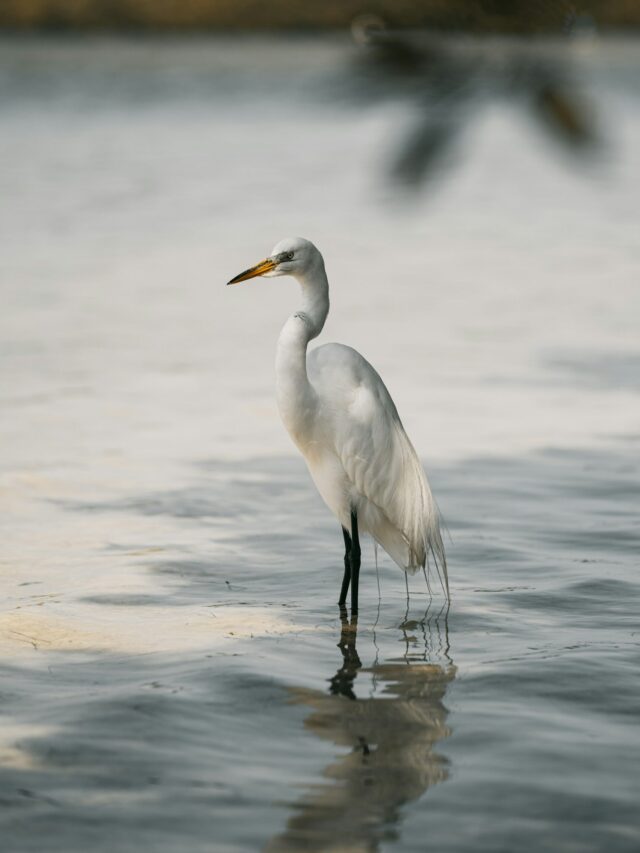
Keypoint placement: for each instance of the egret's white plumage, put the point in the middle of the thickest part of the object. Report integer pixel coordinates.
(339, 413)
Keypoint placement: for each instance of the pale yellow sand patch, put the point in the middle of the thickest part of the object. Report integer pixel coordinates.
(134, 630)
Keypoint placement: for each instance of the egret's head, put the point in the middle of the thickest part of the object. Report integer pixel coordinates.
(291, 256)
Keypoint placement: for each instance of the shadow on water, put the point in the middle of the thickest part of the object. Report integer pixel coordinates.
(390, 735)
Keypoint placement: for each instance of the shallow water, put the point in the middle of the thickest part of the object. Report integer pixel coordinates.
(175, 673)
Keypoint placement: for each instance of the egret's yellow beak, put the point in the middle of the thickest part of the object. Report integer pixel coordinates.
(260, 269)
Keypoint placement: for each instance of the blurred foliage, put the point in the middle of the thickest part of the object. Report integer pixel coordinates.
(525, 16)
(446, 82)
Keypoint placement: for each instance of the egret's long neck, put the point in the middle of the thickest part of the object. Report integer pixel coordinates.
(296, 397)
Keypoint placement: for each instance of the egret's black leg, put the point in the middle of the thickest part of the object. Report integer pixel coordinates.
(355, 562)
(347, 567)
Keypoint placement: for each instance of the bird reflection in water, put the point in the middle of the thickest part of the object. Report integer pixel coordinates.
(390, 736)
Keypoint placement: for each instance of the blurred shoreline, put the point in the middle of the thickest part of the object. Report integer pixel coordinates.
(474, 16)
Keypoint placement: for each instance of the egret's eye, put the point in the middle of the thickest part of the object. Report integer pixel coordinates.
(285, 256)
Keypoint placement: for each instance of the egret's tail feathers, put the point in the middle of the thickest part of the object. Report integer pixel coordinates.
(407, 558)
(418, 517)
(395, 544)
(436, 549)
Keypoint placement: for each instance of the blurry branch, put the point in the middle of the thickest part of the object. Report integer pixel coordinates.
(445, 81)
(564, 116)
(497, 16)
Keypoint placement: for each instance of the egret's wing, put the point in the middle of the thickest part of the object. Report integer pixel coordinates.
(379, 459)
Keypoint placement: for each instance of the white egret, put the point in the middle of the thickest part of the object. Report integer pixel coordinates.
(339, 413)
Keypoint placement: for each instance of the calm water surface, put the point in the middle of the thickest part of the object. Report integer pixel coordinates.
(175, 673)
